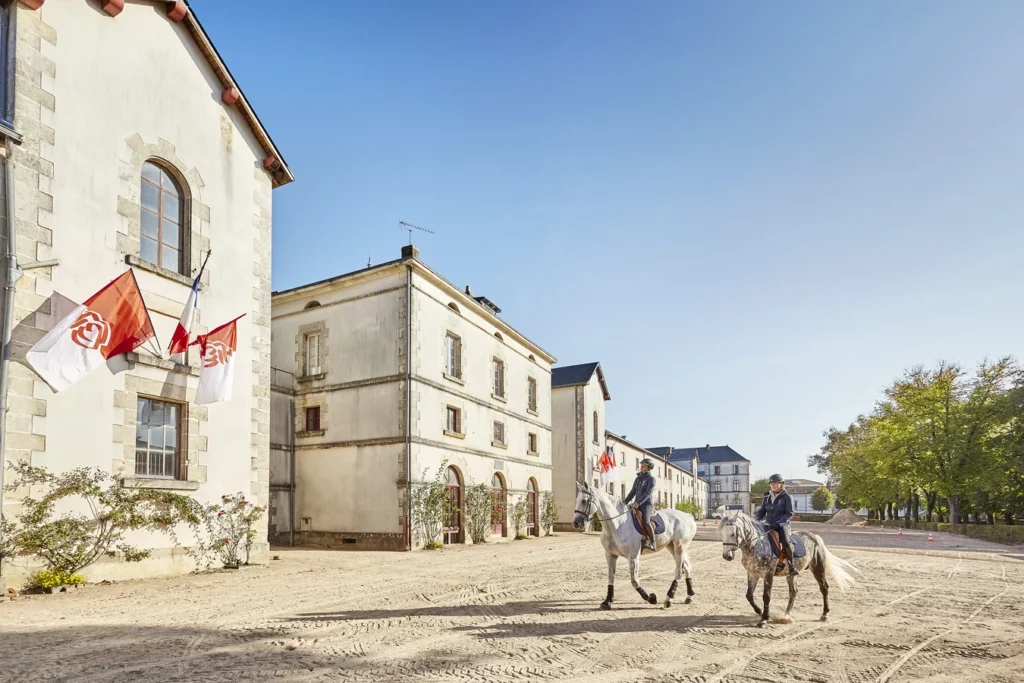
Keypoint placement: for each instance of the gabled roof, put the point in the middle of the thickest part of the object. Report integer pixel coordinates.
(705, 454)
(578, 375)
(274, 162)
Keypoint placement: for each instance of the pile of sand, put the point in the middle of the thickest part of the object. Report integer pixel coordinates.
(845, 517)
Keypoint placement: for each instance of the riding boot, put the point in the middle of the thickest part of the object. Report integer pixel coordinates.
(790, 561)
(650, 542)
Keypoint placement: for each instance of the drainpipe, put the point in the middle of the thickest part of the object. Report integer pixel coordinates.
(11, 276)
(408, 407)
(291, 475)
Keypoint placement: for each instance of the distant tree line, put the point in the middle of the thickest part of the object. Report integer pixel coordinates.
(945, 436)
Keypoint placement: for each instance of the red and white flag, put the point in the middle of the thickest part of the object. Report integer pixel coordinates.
(179, 342)
(217, 373)
(112, 321)
(609, 472)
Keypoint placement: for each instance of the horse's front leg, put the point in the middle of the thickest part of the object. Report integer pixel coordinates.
(612, 559)
(769, 578)
(634, 576)
(752, 582)
(688, 573)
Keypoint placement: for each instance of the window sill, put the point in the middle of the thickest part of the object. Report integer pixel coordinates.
(533, 412)
(311, 378)
(496, 397)
(502, 446)
(309, 435)
(453, 378)
(136, 262)
(160, 484)
(532, 453)
(454, 435)
(162, 363)
(9, 133)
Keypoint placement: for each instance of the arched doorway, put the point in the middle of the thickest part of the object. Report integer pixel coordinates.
(499, 497)
(453, 520)
(532, 518)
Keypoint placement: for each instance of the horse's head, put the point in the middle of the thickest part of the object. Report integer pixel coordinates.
(585, 505)
(732, 535)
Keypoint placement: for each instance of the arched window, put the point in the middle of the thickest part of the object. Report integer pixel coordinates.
(498, 335)
(453, 521)
(532, 358)
(498, 503)
(454, 307)
(311, 304)
(532, 524)
(163, 221)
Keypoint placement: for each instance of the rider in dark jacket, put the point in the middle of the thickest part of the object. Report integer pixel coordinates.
(643, 491)
(776, 510)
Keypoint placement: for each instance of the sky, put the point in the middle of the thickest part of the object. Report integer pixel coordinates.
(754, 215)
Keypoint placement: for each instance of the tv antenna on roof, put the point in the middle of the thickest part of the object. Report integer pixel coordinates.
(410, 227)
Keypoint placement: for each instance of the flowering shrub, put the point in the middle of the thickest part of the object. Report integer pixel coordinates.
(234, 528)
(45, 578)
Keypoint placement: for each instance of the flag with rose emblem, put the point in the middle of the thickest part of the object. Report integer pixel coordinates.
(112, 321)
(217, 373)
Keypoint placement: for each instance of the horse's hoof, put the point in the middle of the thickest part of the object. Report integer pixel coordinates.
(824, 617)
(762, 623)
(688, 600)
(668, 603)
(653, 599)
(606, 605)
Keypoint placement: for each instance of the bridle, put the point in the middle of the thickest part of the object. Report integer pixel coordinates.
(589, 505)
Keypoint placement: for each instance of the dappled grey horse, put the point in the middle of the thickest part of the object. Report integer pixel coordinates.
(739, 531)
(620, 539)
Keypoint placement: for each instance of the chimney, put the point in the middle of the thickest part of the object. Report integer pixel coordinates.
(469, 292)
(707, 446)
(409, 251)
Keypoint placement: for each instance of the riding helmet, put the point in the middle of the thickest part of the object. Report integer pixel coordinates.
(776, 479)
(648, 462)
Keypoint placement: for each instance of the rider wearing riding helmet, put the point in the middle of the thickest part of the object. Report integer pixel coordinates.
(776, 510)
(643, 491)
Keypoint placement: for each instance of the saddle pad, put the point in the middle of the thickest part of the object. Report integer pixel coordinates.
(798, 545)
(659, 523)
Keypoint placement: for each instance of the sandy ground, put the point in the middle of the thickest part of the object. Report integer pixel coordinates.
(945, 611)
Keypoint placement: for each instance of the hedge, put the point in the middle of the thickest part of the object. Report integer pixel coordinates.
(998, 533)
(801, 517)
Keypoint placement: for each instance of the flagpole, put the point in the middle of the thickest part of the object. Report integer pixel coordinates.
(219, 327)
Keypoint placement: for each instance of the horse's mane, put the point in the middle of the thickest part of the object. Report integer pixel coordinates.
(744, 522)
(616, 502)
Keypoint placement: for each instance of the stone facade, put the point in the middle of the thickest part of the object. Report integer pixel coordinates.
(384, 410)
(88, 119)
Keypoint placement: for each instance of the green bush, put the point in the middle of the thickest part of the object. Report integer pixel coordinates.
(802, 517)
(997, 533)
(689, 508)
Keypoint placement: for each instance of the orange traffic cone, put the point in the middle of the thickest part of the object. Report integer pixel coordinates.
(930, 539)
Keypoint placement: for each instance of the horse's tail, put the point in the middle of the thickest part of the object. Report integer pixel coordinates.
(838, 571)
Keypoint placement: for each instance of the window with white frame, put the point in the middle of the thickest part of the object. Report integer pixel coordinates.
(531, 394)
(453, 356)
(499, 433)
(531, 444)
(158, 438)
(736, 485)
(313, 366)
(718, 486)
(498, 375)
(595, 427)
(735, 469)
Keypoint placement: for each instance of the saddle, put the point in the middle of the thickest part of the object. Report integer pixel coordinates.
(799, 549)
(656, 521)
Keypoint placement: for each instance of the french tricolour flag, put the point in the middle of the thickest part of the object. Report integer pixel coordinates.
(112, 321)
(179, 342)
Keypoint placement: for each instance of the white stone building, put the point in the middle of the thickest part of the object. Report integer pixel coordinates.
(802, 490)
(675, 482)
(726, 473)
(130, 145)
(578, 395)
(394, 370)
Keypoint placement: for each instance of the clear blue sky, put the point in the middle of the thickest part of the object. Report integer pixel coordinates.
(754, 215)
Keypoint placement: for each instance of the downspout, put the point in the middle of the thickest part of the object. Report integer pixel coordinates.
(291, 475)
(408, 408)
(11, 276)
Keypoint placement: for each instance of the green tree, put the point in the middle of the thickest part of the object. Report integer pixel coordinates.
(822, 499)
(760, 486)
(479, 505)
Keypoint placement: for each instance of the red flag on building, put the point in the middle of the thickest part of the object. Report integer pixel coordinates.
(112, 321)
(609, 472)
(217, 373)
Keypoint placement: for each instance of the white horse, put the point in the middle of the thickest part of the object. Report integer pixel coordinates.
(621, 539)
